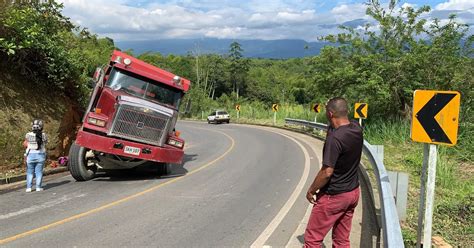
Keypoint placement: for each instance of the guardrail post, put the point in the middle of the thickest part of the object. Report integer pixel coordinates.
(379, 150)
(399, 184)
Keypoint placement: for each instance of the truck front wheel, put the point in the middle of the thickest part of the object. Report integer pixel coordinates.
(80, 164)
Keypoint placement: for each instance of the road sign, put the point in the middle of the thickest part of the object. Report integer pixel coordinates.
(237, 107)
(435, 117)
(316, 108)
(361, 110)
(275, 107)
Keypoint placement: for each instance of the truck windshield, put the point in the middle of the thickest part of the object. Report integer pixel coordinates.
(143, 88)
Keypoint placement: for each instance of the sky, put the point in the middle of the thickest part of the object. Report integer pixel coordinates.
(125, 20)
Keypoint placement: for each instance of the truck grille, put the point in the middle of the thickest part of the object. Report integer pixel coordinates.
(140, 124)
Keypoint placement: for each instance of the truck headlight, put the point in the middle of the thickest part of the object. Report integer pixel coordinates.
(176, 143)
(95, 121)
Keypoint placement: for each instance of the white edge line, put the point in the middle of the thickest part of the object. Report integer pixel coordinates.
(263, 237)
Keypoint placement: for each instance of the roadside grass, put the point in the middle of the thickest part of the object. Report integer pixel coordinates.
(454, 199)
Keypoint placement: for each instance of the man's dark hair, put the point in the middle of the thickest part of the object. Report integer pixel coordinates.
(338, 106)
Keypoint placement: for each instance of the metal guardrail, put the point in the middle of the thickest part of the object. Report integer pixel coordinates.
(392, 233)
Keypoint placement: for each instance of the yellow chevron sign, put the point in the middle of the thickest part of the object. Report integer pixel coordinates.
(435, 117)
(360, 111)
(275, 107)
(316, 108)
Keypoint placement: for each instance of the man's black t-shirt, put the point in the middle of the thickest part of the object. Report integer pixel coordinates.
(342, 151)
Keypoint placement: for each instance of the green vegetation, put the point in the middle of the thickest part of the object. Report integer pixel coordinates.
(45, 64)
(453, 216)
(41, 48)
(49, 51)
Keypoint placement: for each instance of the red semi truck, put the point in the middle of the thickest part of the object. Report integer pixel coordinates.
(130, 119)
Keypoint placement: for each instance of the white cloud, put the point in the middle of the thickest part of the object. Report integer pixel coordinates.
(406, 5)
(254, 19)
(463, 9)
(120, 21)
(296, 17)
(456, 5)
(225, 32)
(348, 12)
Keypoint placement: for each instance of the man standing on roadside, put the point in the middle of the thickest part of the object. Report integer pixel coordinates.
(335, 190)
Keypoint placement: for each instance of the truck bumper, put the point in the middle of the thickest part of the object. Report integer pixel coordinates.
(110, 145)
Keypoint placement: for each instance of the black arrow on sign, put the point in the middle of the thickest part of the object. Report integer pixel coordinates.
(359, 110)
(316, 108)
(427, 113)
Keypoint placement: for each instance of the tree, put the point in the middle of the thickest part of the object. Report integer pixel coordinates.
(238, 67)
(41, 44)
(386, 64)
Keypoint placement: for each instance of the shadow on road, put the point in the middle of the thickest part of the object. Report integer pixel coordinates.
(301, 239)
(145, 172)
(56, 184)
(189, 157)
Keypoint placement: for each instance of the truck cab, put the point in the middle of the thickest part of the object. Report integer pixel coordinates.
(130, 119)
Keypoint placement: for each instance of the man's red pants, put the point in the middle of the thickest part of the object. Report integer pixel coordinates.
(334, 211)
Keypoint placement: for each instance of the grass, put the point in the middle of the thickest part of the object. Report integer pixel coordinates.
(454, 199)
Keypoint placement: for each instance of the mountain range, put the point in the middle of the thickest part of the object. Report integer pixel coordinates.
(274, 49)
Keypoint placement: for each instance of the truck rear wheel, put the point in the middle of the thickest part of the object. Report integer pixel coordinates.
(79, 165)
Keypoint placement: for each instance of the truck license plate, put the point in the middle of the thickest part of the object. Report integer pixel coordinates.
(131, 150)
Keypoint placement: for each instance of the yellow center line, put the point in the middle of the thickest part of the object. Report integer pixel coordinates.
(95, 210)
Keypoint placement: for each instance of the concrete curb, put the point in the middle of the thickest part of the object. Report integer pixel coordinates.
(22, 177)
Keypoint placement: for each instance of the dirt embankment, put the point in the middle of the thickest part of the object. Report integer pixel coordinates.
(20, 103)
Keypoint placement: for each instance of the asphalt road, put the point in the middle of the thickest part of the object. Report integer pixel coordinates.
(239, 186)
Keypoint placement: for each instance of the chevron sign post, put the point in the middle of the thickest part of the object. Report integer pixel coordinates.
(435, 122)
(237, 108)
(316, 108)
(275, 110)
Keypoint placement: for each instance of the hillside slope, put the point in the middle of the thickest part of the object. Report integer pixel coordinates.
(20, 103)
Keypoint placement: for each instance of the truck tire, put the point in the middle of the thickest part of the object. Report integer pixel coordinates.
(163, 168)
(78, 163)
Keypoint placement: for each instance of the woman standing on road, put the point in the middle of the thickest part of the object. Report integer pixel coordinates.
(35, 143)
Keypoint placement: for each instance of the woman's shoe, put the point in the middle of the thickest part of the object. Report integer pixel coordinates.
(39, 189)
(28, 189)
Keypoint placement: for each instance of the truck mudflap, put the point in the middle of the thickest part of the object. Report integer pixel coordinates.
(111, 145)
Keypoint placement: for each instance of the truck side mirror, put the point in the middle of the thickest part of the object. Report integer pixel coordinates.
(97, 77)
(91, 83)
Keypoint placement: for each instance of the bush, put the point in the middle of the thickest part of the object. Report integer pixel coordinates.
(41, 44)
